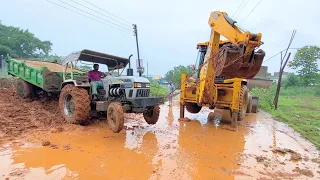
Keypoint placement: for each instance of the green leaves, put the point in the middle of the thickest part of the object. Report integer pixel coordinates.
(174, 75)
(21, 43)
(305, 61)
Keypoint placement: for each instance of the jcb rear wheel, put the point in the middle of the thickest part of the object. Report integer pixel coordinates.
(193, 108)
(243, 102)
(115, 117)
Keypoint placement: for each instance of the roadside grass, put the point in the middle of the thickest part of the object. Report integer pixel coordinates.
(299, 107)
(157, 90)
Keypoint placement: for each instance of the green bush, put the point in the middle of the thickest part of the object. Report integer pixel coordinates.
(266, 97)
(156, 89)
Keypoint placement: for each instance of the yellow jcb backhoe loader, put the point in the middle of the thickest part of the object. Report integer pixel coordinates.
(223, 67)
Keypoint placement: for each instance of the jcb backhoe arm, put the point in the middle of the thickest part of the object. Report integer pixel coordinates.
(232, 58)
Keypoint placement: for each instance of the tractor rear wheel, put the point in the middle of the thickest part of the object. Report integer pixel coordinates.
(243, 102)
(152, 114)
(193, 108)
(115, 117)
(24, 89)
(74, 104)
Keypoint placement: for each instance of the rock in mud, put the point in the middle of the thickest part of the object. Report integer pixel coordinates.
(304, 172)
(45, 143)
(295, 157)
(260, 158)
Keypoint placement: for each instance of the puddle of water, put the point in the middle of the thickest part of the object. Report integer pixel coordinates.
(168, 150)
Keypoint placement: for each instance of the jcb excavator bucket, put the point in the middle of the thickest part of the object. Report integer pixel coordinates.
(230, 63)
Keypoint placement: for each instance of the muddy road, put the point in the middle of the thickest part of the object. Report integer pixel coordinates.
(261, 149)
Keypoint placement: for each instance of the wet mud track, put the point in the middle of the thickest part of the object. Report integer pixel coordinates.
(261, 149)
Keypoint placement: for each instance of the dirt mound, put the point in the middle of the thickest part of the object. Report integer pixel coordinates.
(7, 82)
(18, 116)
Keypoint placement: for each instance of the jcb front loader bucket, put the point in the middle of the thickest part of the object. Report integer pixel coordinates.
(230, 63)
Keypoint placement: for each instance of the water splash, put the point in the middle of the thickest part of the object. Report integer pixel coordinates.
(217, 120)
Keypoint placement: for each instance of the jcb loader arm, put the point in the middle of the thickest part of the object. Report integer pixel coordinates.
(238, 58)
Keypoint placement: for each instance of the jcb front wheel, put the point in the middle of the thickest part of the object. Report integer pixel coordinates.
(193, 108)
(152, 114)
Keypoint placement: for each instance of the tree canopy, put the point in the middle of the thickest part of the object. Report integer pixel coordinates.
(21, 43)
(174, 75)
(305, 61)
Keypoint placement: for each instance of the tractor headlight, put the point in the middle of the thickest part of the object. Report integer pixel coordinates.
(141, 85)
(137, 85)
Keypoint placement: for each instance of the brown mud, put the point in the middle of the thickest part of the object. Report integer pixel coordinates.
(261, 148)
(19, 117)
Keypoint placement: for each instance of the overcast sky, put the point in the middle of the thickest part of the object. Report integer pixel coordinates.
(168, 29)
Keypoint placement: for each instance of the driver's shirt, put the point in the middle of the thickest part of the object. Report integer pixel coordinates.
(94, 75)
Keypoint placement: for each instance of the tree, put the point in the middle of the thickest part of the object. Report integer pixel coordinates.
(291, 81)
(21, 43)
(174, 75)
(305, 61)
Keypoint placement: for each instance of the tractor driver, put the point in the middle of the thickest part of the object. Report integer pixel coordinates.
(95, 76)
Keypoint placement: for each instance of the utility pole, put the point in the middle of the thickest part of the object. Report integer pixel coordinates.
(282, 66)
(147, 70)
(140, 66)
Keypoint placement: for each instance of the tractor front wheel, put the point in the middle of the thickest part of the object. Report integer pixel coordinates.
(115, 117)
(151, 115)
(74, 104)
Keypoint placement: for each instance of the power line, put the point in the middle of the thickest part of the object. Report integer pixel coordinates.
(251, 11)
(100, 13)
(278, 54)
(96, 16)
(243, 7)
(238, 8)
(87, 16)
(106, 11)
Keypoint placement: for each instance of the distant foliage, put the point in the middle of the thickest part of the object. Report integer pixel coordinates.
(156, 89)
(174, 75)
(21, 43)
(305, 61)
(291, 81)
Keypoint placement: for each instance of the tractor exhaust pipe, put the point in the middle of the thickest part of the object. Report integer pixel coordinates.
(130, 70)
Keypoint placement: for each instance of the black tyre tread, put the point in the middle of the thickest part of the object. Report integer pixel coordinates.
(193, 108)
(119, 115)
(153, 119)
(242, 106)
(81, 102)
(24, 89)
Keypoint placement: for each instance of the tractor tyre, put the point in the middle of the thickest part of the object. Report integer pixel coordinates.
(115, 117)
(249, 107)
(151, 115)
(193, 108)
(24, 89)
(74, 104)
(243, 102)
